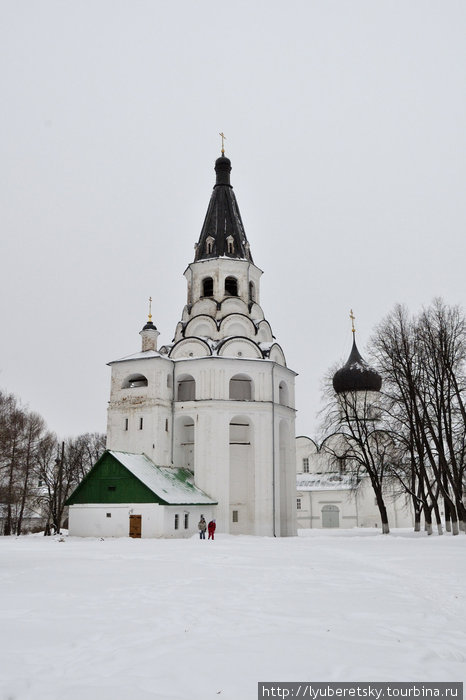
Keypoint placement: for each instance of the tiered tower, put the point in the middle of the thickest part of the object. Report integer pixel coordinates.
(219, 399)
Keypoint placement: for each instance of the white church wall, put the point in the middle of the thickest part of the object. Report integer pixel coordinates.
(219, 269)
(112, 520)
(355, 509)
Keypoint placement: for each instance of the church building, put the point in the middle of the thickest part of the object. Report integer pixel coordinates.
(206, 423)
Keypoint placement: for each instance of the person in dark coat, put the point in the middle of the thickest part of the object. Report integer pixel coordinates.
(211, 528)
(202, 525)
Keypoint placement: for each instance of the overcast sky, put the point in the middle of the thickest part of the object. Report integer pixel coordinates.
(345, 125)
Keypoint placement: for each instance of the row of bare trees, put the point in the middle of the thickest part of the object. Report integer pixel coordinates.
(37, 471)
(412, 437)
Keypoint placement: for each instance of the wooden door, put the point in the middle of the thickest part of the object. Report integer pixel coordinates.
(135, 525)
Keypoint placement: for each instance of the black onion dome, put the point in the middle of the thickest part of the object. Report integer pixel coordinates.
(223, 170)
(149, 326)
(223, 233)
(356, 375)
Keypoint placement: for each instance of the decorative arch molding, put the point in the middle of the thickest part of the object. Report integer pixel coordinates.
(190, 347)
(334, 444)
(305, 442)
(233, 305)
(179, 331)
(134, 381)
(207, 306)
(264, 332)
(277, 355)
(201, 326)
(239, 347)
(237, 324)
(256, 312)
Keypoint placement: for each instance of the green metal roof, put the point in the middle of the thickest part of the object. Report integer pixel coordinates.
(123, 477)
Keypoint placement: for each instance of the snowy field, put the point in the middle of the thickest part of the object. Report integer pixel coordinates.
(85, 619)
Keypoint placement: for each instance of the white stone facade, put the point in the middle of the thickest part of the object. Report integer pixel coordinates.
(111, 520)
(326, 498)
(218, 400)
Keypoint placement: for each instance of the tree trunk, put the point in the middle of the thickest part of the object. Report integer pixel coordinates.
(438, 518)
(428, 519)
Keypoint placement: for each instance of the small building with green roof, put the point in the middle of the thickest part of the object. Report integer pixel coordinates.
(127, 494)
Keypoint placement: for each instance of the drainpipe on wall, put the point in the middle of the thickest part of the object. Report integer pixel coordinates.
(273, 451)
(173, 414)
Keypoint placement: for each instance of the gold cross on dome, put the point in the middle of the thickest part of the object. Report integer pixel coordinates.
(224, 138)
(150, 309)
(352, 317)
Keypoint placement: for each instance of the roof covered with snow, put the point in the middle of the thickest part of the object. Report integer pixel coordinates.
(146, 355)
(324, 482)
(174, 486)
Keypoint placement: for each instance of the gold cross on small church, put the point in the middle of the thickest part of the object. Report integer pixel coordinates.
(150, 309)
(224, 138)
(352, 317)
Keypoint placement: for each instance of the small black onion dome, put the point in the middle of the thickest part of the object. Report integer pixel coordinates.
(149, 326)
(223, 170)
(356, 375)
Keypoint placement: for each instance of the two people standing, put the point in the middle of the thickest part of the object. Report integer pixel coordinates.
(202, 525)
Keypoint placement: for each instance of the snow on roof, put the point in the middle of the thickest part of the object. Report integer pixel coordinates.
(170, 484)
(324, 482)
(146, 355)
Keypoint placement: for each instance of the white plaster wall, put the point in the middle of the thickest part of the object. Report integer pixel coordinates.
(212, 412)
(152, 403)
(219, 269)
(91, 520)
(356, 510)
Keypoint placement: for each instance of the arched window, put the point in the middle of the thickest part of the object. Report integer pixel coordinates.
(231, 286)
(252, 292)
(134, 380)
(230, 245)
(283, 394)
(209, 245)
(186, 388)
(241, 388)
(207, 287)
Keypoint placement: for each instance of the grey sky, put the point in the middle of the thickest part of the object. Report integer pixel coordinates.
(345, 124)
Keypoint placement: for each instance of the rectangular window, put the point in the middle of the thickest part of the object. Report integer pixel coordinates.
(298, 504)
(235, 516)
(126, 423)
(177, 521)
(186, 521)
(166, 425)
(306, 465)
(141, 423)
(111, 488)
(109, 515)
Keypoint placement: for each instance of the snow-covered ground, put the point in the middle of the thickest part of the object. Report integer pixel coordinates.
(87, 619)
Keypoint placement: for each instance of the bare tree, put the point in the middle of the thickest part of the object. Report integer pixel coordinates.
(422, 363)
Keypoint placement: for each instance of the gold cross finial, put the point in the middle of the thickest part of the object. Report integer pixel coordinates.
(224, 138)
(352, 317)
(150, 309)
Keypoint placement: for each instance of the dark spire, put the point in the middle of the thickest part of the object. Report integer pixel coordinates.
(223, 233)
(356, 375)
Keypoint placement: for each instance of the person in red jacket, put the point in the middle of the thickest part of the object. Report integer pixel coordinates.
(211, 528)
